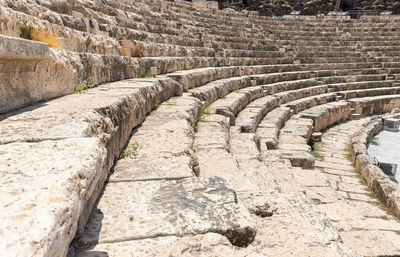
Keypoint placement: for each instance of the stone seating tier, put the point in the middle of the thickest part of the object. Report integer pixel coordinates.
(192, 139)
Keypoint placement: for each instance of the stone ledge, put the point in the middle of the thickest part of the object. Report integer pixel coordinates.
(386, 190)
(17, 48)
(60, 153)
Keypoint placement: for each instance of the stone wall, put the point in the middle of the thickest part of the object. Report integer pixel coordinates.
(386, 190)
(308, 7)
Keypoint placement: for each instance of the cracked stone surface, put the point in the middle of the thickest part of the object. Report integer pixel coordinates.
(362, 221)
(153, 200)
(147, 209)
(44, 187)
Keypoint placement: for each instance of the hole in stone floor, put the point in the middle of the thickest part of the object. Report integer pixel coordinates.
(263, 211)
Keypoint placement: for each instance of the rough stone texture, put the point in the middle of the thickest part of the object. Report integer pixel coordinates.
(33, 62)
(261, 193)
(375, 105)
(169, 196)
(209, 244)
(309, 7)
(172, 208)
(86, 131)
(361, 221)
(15, 48)
(301, 62)
(164, 144)
(386, 190)
(44, 190)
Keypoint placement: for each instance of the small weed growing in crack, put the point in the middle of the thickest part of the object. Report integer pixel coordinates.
(82, 87)
(26, 32)
(236, 87)
(156, 105)
(373, 141)
(203, 111)
(315, 149)
(129, 151)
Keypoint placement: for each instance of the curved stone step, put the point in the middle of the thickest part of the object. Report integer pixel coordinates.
(172, 208)
(70, 144)
(256, 187)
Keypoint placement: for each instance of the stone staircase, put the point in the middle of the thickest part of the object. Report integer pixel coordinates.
(191, 134)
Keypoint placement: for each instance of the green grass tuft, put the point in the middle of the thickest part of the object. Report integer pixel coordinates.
(373, 140)
(315, 149)
(129, 151)
(26, 32)
(82, 87)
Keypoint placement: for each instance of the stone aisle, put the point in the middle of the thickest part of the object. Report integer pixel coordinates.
(335, 185)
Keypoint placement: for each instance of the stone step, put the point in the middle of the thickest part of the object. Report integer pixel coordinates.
(268, 129)
(311, 101)
(118, 216)
(249, 118)
(361, 210)
(71, 144)
(292, 95)
(214, 90)
(375, 104)
(369, 92)
(234, 102)
(170, 127)
(327, 114)
(361, 85)
(214, 155)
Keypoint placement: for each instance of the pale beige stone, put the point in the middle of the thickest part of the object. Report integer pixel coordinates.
(371, 243)
(331, 165)
(367, 209)
(171, 208)
(44, 191)
(383, 223)
(323, 194)
(344, 215)
(310, 178)
(352, 188)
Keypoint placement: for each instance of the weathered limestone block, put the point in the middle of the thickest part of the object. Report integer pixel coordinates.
(212, 133)
(290, 85)
(107, 115)
(221, 163)
(299, 158)
(171, 207)
(23, 60)
(45, 193)
(369, 92)
(309, 102)
(236, 101)
(250, 117)
(209, 244)
(362, 160)
(374, 105)
(299, 221)
(293, 146)
(233, 102)
(264, 79)
(230, 105)
(195, 78)
(385, 189)
(117, 101)
(326, 115)
(292, 95)
(162, 148)
(269, 127)
(245, 149)
(215, 89)
(268, 138)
